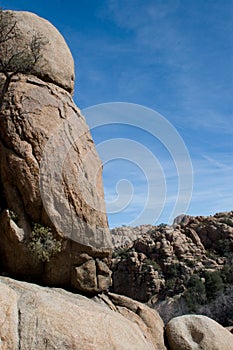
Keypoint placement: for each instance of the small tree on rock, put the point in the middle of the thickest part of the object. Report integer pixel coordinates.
(16, 56)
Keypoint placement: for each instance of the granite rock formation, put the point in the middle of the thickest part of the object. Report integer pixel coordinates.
(124, 236)
(56, 64)
(50, 176)
(197, 332)
(163, 261)
(34, 317)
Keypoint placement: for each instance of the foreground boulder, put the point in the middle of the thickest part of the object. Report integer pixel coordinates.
(138, 312)
(197, 332)
(34, 317)
(54, 228)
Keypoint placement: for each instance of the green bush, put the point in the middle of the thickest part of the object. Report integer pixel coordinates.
(123, 253)
(214, 284)
(172, 273)
(195, 294)
(170, 284)
(13, 216)
(42, 243)
(190, 263)
(153, 263)
(227, 274)
(210, 253)
(224, 246)
(228, 221)
(173, 270)
(162, 225)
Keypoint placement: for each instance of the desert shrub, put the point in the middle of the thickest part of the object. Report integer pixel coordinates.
(42, 243)
(190, 263)
(195, 294)
(228, 221)
(173, 270)
(220, 309)
(172, 274)
(162, 225)
(227, 274)
(223, 247)
(13, 216)
(153, 263)
(171, 307)
(170, 284)
(211, 253)
(123, 253)
(213, 284)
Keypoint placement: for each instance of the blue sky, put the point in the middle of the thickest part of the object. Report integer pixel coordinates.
(172, 56)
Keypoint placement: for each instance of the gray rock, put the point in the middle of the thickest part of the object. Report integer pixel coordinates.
(197, 332)
(50, 173)
(34, 317)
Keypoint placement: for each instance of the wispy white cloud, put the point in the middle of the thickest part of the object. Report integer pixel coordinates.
(213, 185)
(213, 192)
(159, 39)
(176, 56)
(225, 162)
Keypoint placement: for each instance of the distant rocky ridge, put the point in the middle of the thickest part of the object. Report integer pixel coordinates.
(124, 236)
(164, 261)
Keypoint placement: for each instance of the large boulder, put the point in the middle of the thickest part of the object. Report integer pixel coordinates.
(34, 317)
(54, 228)
(197, 332)
(56, 64)
(142, 315)
(51, 175)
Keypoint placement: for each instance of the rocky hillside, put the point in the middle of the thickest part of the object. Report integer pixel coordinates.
(124, 236)
(190, 261)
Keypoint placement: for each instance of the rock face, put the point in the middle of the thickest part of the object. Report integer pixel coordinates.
(50, 177)
(137, 312)
(160, 261)
(34, 317)
(136, 276)
(56, 64)
(197, 332)
(124, 236)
